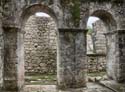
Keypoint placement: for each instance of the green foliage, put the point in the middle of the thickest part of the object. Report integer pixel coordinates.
(74, 6)
(75, 11)
(89, 30)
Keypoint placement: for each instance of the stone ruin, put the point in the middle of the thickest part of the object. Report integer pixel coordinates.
(40, 46)
(71, 18)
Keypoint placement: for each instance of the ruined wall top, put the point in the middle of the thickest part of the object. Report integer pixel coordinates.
(67, 13)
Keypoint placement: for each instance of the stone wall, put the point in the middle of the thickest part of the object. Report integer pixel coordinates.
(116, 64)
(96, 48)
(40, 45)
(90, 49)
(99, 38)
(121, 44)
(71, 62)
(96, 62)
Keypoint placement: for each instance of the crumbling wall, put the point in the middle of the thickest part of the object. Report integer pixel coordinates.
(40, 45)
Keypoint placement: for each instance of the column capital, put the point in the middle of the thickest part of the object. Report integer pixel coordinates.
(11, 29)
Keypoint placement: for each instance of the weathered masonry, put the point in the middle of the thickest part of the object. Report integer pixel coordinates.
(96, 48)
(71, 18)
(40, 45)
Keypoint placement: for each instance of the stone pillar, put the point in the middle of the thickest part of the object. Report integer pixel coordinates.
(1, 55)
(13, 75)
(121, 59)
(71, 58)
(116, 55)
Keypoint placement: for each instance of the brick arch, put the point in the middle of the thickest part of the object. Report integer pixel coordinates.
(34, 8)
(107, 18)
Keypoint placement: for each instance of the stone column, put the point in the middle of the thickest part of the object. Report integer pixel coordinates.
(1, 55)
(71, 58)
(13, 76)
(116, 55)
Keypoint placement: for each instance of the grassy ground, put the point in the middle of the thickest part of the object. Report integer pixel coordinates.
(40, 79)
(97, 74)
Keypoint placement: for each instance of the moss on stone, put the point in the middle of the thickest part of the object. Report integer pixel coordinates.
(74, 7)
(75, 11)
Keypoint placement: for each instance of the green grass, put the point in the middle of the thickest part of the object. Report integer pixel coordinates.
(40, 79)
(97, 74)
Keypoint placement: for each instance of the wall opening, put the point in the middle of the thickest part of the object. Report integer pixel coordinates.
(96, 47)
(40, 50)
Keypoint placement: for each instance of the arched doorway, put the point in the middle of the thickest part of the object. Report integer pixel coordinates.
(96, 47)
(110, 26)
(39, 45)
(40, 50)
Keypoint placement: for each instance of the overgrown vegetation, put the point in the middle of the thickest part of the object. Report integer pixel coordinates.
(74, 6)
(75, 11)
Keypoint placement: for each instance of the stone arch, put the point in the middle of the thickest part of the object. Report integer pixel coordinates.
(32, 9)
(25, 14)
(107, 18)
(110, 35)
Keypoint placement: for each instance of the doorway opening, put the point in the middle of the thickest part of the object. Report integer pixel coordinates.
(96, 48)
(40, 50)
